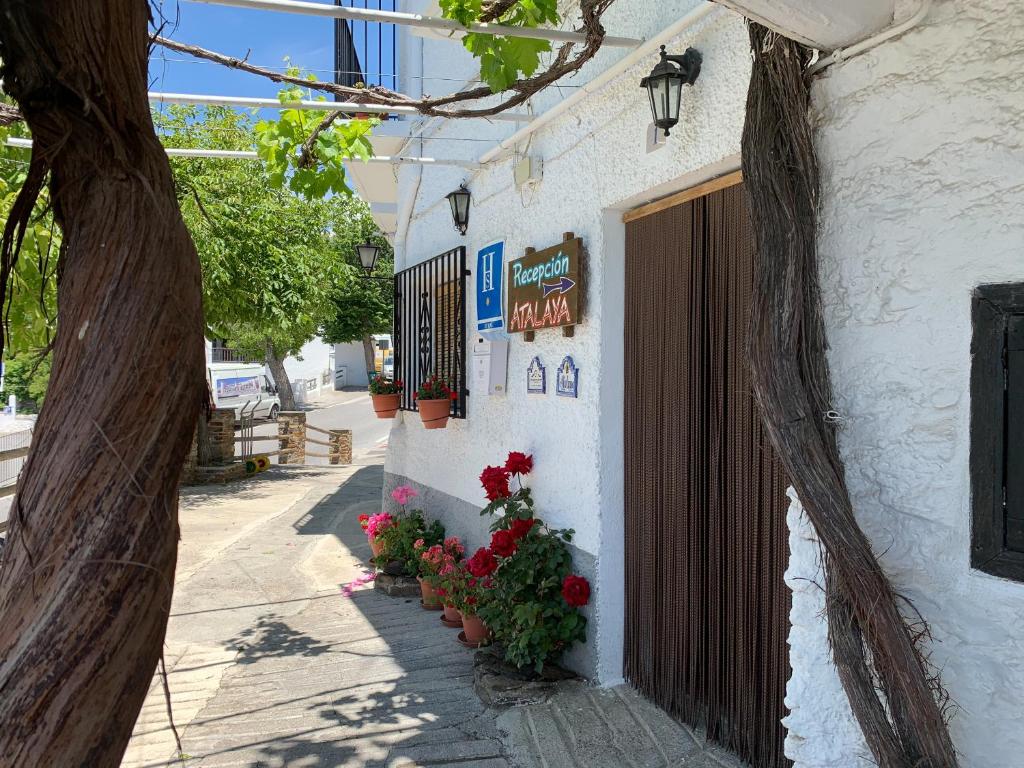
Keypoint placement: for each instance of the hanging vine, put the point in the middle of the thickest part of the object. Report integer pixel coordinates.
(897, 702)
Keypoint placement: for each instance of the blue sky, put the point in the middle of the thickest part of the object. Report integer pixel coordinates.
(267, 37)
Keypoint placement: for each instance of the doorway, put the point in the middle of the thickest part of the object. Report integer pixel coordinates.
(707, 610)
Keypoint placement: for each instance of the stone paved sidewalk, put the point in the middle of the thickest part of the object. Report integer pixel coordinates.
(279, 654)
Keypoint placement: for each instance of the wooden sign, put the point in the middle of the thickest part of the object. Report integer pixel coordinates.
(544, 288)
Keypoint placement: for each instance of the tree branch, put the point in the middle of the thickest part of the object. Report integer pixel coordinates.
(9, 114)
(495, 9)
(563, 65)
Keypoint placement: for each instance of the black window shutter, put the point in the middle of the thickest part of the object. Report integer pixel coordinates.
(997, 430)
(1014, 501)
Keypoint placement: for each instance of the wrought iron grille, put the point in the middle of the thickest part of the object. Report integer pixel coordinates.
(365, 51)
(430, 326)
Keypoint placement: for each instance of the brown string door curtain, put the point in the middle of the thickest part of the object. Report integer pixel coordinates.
(707, 611)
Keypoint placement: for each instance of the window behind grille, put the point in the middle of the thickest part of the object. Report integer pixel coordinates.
(997, 430)
(430, 326)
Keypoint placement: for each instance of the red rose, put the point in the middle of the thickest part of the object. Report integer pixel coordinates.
(482, 563)
(495, 483)
(520, 528)
(503, 544)
(519, 463)
(576, 590)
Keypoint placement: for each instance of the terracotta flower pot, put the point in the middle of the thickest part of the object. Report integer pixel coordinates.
(375, 546)
(435, 413)
(474, 628)
(386, 406)
(452, 614)
(430, 598)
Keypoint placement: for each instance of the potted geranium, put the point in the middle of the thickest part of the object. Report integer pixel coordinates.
(375, 527)
(474, 595)
(386, 395)
(431, 561)
(528, 565)
(434, 401)
(447, 580)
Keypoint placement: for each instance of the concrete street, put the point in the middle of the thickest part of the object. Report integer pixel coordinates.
(280, 653)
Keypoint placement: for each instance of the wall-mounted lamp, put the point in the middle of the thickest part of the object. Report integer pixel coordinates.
(665, 85)
(368, 253)
(459, 201)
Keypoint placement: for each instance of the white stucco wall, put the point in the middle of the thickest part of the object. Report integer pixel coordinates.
(352, 357)
(595, 161)
(313, 359)
(921, 145)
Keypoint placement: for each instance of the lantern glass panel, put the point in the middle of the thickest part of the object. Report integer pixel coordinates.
(368, 256)
(674, 95)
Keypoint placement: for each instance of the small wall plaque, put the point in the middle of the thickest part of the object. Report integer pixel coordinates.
(567, 382)
(536, 380)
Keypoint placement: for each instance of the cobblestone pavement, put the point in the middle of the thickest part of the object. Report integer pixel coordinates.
(279, 653)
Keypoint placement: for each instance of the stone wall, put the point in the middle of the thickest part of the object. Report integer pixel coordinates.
(291, 437)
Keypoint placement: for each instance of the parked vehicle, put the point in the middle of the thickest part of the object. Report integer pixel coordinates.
(243, 385)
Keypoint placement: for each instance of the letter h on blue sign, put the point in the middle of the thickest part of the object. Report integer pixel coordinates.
(490, 268)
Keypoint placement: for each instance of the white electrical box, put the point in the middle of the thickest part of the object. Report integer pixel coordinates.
(528, 171)
(490, 366)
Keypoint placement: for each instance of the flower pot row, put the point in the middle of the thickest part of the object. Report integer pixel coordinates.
(474, 631)
(433, 400)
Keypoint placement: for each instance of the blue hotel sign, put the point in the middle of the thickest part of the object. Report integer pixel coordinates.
(490, 270)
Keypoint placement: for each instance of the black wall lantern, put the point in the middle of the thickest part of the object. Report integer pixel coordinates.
(665, 85)
(368, 253)
(459, 201)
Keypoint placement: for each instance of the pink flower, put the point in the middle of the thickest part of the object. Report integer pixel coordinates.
(453, 546)
(403, 493)
(379, 523)
(419, 544)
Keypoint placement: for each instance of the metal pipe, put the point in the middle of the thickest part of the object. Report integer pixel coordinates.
(244, 154)
(648, 48)
(323, 106)
(842, 54)
(454, 28)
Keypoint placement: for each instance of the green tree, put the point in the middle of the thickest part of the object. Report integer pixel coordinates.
(361, 307)
(271, 260)
(30, 311)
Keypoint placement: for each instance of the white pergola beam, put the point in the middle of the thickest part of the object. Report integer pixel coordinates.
(416, 20)
(822, 24)
(245, 154)
(159, 97)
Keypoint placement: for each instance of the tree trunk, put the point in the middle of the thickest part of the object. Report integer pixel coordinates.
(883, 671)
(369, 355)
(284, 387)
(87, 575)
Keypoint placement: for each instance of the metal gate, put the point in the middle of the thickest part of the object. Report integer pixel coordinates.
(430, 326)
(707, 610)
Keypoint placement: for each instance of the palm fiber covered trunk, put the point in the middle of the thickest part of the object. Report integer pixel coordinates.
(86, 580)
(707, 610)
(879, 662)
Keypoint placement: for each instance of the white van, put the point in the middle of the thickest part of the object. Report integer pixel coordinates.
(243, 385)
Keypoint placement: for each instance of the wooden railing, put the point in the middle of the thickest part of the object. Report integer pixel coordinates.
(293, 436)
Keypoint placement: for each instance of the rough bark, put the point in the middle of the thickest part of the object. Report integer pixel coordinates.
(881, 667)
(369, 354)
(284, 387)
(86, 581)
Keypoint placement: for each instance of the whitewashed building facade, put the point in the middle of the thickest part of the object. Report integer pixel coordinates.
(921, 146)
